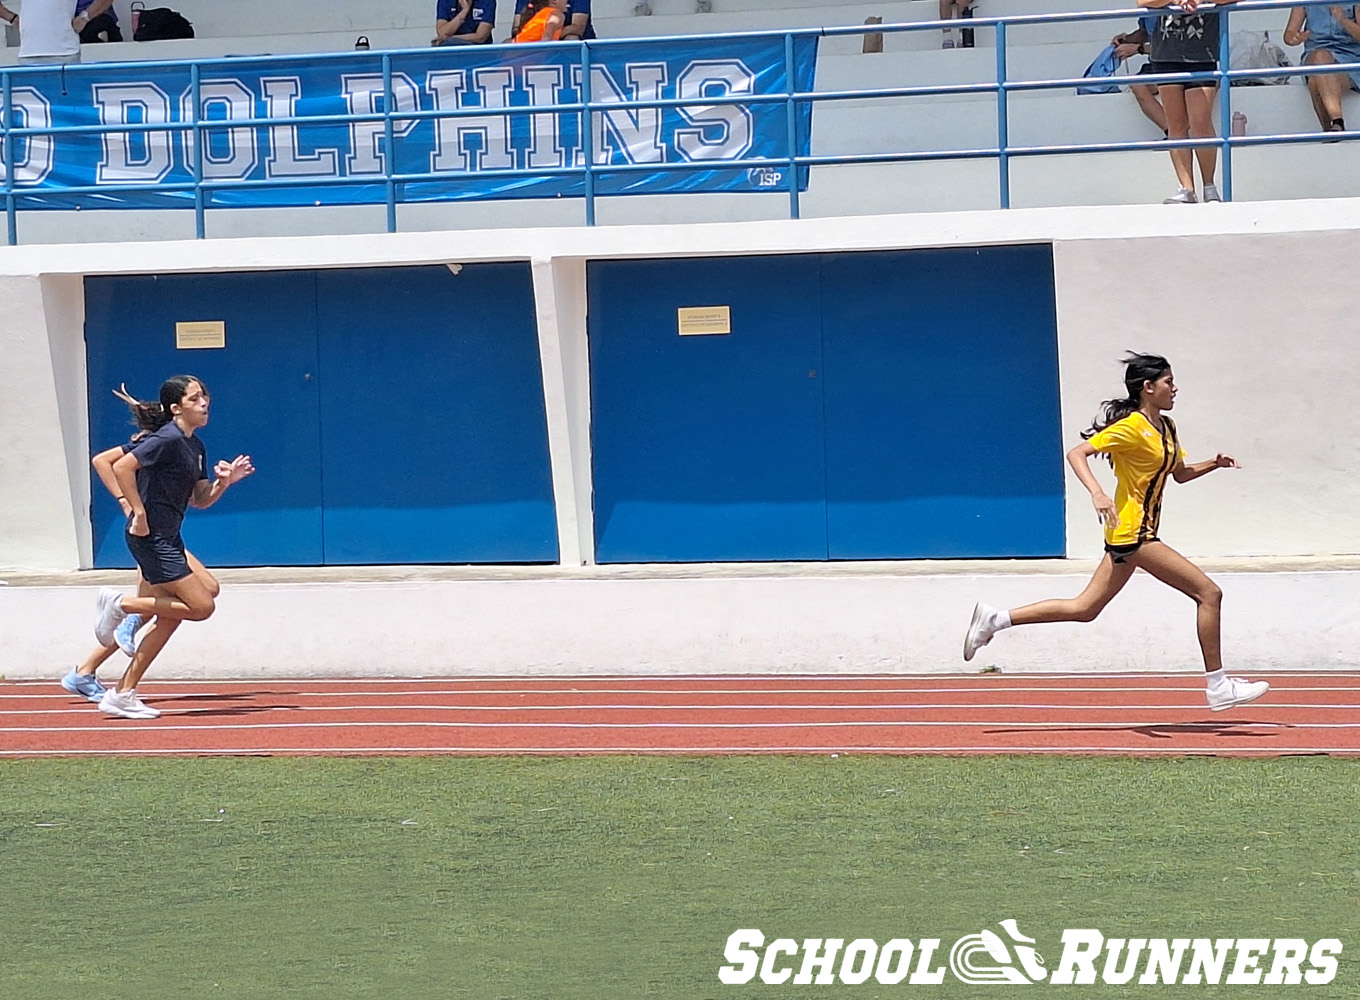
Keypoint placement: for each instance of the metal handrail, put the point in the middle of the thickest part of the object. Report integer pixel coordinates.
(1003, 152)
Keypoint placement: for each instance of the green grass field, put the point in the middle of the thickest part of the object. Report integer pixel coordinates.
(602, 878)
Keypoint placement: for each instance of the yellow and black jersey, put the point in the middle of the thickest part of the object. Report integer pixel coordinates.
(1144, 458)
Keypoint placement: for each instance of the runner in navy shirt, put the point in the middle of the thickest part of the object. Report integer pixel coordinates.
(160, 478)
(464, 22)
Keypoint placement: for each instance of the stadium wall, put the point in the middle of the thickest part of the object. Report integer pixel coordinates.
(1246, 299)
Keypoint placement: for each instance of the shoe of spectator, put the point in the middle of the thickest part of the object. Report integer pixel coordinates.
(1211, 194)
(1185, 196)
(703, 6)
(948, 43)
(642, 9)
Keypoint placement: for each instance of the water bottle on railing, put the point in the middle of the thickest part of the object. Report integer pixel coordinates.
(1239, 123)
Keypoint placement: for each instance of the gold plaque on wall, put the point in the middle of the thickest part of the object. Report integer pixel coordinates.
(702, 321)
(193, 336)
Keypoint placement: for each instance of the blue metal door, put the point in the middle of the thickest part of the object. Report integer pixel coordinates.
(264, 394)
(434, 431)
(864, 406)
(942, 420)
(707, 447)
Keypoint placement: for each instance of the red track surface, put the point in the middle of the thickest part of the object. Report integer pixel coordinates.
(1073, 714)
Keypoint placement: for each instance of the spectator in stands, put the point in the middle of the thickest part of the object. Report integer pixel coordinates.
(1187, 42)
(100, 27)
(1330, 35)
(577, 25)
(464, 22)
(950, 9)
(1133, 43)
(49, 30)
(543, 21)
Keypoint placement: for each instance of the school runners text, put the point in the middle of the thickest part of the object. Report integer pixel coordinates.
(1088, 956)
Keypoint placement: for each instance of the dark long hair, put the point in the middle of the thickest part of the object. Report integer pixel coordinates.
(531, 9)
(151, 417)
(1138, 369)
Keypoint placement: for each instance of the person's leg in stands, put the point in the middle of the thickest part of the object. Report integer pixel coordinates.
(1326, 88)
(1178, 127)
(1149, 103)
(1200, 103)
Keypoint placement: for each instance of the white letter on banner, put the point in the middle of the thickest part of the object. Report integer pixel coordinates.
(734, 122)
(33, 111)
(237, 101)
(364, 96)
(448, 89)
(639, 132)
(115, 102)
(280, 95)
(544, 84)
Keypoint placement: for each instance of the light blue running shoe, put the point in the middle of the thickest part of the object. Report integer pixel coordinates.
(126, 633)
(85, 685)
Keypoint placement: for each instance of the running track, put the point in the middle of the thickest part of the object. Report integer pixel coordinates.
(1065, 714)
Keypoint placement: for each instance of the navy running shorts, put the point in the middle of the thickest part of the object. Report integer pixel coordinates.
(160, 557)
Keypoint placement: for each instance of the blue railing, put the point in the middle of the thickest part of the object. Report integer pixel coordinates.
(589, 171)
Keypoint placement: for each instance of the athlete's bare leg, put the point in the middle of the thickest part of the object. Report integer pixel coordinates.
(1108, 580)
(196, 593)
(1172, 568)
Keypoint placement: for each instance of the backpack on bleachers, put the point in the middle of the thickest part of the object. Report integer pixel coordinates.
(162, 22)
(1105, 64)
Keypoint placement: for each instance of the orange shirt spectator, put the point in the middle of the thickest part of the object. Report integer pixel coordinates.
(545, 19)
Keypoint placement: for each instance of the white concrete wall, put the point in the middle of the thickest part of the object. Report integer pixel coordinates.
(852, 623)
(1248, 301)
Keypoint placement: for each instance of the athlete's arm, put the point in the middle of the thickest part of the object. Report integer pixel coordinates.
(103, 468)
(1080, 460)
(125, 475)
(208, 493)
(1183, 473)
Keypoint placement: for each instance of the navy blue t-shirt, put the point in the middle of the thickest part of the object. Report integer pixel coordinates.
(171, 465)
(573, 7)
(482, 12)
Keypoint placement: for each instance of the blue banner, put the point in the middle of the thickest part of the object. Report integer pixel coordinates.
(483, 153)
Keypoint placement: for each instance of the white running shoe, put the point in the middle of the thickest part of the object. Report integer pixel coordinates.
(1235, 691)
(1185, 196)
(1211, 193)
(126, 705)
(107, 615)
(980, 629)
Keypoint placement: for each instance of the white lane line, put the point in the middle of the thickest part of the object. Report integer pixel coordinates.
(1138, 751)
(657, 726)
(226, 694)
(1198, 706)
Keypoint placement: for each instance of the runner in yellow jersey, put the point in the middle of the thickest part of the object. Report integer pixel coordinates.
(1141, 443)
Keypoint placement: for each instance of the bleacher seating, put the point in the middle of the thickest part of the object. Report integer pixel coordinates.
(252, 27)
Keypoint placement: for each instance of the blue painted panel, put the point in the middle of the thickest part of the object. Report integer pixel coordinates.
(434, 433)
(263, 404)
(710, 447)
(942, 420)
